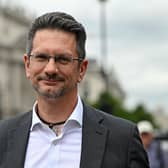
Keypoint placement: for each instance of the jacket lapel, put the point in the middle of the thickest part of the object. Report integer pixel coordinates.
(93, 139)
(17, 142)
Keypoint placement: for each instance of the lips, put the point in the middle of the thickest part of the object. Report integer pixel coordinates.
(50, 82)
(50, 79)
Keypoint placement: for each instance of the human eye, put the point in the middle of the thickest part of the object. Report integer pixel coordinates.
(62, 59)
(41, 57)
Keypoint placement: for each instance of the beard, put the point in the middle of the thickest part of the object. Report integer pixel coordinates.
(50, 93)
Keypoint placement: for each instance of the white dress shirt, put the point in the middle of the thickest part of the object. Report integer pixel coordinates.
(47, 150)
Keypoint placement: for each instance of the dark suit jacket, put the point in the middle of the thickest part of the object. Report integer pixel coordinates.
(107, 142)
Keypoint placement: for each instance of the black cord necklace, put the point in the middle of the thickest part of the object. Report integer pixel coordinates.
(51, 125)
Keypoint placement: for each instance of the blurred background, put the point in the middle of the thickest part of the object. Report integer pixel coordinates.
(127, 46)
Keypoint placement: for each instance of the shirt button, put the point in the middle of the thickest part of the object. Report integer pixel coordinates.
(54, 142)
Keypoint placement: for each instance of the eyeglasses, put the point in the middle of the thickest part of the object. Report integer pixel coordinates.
(62, 60)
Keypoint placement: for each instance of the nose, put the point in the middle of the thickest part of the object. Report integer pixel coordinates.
(51, 67)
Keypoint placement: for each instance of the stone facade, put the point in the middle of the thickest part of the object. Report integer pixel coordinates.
(97, 81)
(15, 93)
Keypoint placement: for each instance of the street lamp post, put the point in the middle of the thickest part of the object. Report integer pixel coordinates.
(103, 33)
(103, 41)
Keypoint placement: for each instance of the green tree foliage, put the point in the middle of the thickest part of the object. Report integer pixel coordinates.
(114, 106)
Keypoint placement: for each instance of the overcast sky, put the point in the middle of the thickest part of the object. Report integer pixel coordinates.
(137, 42)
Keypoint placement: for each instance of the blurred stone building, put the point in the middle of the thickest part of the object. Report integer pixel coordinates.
(161, 118)
(97, 80)
(16, 94)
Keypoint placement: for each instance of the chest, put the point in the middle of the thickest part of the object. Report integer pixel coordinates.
(45, 149)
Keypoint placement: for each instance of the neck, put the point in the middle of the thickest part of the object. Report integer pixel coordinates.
(57, 110)
(51, 125)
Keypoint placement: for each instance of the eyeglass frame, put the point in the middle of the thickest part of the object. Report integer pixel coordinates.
(47, 58)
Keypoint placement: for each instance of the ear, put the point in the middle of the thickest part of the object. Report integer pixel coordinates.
(82, 70)
(27, 65)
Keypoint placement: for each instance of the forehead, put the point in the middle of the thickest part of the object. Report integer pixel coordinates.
(54, 39)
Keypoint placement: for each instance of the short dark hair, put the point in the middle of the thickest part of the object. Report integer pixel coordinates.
(61, 21)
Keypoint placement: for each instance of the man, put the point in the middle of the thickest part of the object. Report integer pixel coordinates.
(153, 147)
(61, 130)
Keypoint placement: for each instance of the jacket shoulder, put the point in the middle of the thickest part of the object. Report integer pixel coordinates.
(12, 122)
(110, 120)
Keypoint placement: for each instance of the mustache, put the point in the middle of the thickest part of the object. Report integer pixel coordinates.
(53, 77)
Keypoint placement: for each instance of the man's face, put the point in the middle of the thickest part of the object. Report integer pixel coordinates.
(146, 139)
(53, 79)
